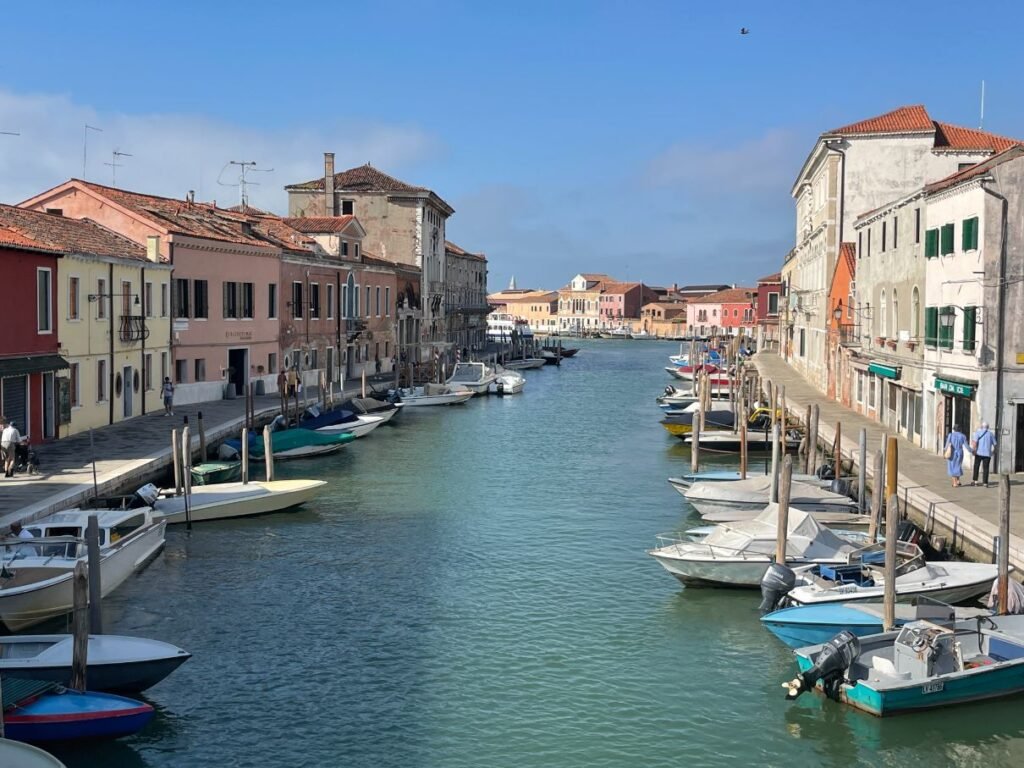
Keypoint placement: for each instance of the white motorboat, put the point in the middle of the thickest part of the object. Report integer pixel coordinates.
(15, 754)
(370, 406)
(754, 493)
(502, 326)
(363, 424)
(949, 582)
(524, 363)
(473, 376)
(227, 500)
(685, 482)
(114, 662)
(507, 383)
(36, 577)
(432, 394)
(737, 554)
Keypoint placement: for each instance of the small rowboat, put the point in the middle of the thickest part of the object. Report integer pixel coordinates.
(14, 754)
(60, 714)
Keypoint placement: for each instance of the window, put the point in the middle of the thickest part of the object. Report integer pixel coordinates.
(882, 314)
(947, 239)
(368, 313)
(917, 226)
(147, 372)
(860, 245)
(147, 299)
(230, 300)
(931, 243)
(891, 397)
(356, 255)
(74, 385)
(869, 244)
(181, 298)
(248, 300)
(296, 300)
(883, 237)
(387, 301)
(931, 327)
(378, 302)
(73, 299)
(200, 366)
(946, 331)
(163, 367)
(126, 298)
(347, 207)
(314, 301)
(969, 234)
(272, 362)
(871, 391)
(44, 306)
(915, 314)
(101, 299)
(970, 323)
(101, 380)
(773, 303)
(313, 360)
(238, 300)
(330, 301)
(895, 231)
(272, 301)
(860, 387)
(344, 247)
(201, 306)
(180, 371)
(163, 301)
(895, 313)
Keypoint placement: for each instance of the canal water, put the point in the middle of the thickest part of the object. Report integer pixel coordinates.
(473, 590)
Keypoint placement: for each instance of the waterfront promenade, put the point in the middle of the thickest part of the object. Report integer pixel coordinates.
(127, 451)
(970, 514)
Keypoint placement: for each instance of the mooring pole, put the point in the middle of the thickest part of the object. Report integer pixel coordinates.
(80, 626)
(891, 523)
(1004, 542)
(92, 543)
(862, 472)
(782, 528)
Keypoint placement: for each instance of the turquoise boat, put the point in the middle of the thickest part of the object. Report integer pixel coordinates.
(295, 443)
(923, 665)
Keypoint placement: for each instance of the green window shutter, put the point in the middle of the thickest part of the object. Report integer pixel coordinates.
(965, 235)
(972, 245)
(931, 325)
(946, 333)
(970, 324)
(931, 243)
(947, 239)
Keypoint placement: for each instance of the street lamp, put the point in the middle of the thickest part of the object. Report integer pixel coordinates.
(98, 296)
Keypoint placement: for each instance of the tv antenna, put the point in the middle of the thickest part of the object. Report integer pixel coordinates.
(245, 166)
(114, 165)
(85, 144)
(981, 121)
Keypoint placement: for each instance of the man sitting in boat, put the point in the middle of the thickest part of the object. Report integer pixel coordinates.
(25, 550)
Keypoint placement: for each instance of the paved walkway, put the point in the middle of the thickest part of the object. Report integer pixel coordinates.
(126, 451)
(970, 513)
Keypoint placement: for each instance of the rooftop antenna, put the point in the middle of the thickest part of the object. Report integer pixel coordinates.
(114, 165)
(981, 122)
(245, 166)
(85, 144)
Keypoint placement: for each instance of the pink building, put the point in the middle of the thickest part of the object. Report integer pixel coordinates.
(729, 312)
(225, 297)
(621, 302)
(766, 309)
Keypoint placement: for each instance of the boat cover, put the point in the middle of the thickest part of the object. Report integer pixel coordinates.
(756, 490)
(804, 537)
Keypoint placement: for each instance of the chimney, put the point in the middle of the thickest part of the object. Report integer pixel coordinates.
(190, 198)
(153, 248)
(329, 208)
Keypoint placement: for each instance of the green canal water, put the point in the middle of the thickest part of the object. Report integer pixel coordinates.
(473, 590)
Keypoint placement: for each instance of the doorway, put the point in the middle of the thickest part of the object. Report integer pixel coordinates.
(1018, 445)
(126, 401)
(49, 409)
(238, 369)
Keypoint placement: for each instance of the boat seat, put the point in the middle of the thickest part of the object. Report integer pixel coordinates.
(873, 557)
(1001, 649)
(883, 665)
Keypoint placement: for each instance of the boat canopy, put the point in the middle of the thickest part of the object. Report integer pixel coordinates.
(805, 538)
(755, 490)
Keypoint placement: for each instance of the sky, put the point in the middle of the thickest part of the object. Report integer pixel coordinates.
(648, 140)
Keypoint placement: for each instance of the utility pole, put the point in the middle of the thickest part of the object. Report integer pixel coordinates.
(114, 165)
(85, 146)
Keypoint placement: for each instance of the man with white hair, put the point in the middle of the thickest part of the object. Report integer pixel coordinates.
(983, 443)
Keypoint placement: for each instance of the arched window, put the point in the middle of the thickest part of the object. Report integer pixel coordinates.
(915, 314)
(882, 314)
(895, 314)
(351, 297)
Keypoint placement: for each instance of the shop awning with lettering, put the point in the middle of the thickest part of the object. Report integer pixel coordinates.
(885, 371)
(956, 387)
(20, 366)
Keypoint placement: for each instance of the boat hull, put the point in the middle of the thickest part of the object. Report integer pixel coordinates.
(421, 401)
(364, 426)
(237, 500)
(745, 573)
(747, 510)
(952, 594)
(70, 715)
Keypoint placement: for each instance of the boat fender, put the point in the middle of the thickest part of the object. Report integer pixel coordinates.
(776, 583)
(834, 658)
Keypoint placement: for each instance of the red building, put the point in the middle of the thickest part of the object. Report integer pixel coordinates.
(29, 356)
(766, 307)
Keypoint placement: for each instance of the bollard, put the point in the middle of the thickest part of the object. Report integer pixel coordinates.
(202, 438)
(695, 447)
(176, 458)
(268, 452)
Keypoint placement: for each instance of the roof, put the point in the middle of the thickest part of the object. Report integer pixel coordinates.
(959, 138)
(614, 286)
(728, 296)
(523, 295)
(202, 220)
(48, 231)
(597, 277)
(979, 169)
(848, 252)
(248, 209)
(366, 178)
(667, 304)
(451, 247)
(14, 238)
(320, 225)
(773, 278)
(911, 119)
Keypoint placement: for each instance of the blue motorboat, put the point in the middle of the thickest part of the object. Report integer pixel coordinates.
(53, 713)
(923, 665)
(803, 625)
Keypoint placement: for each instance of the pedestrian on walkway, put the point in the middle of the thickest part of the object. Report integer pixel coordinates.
(954, 452)
(167, 392)
(376, 363)
(983, 444)
(9, 439)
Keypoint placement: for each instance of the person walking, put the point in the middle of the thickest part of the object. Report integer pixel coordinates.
(9, 439)
(954, 452)
(167, 392)
(983, 444)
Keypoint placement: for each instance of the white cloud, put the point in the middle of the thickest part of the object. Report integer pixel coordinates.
(173, 153)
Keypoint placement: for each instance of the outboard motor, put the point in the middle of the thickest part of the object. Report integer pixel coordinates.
(776, 583)
(834, 658)
(826, 472)
(279, 423)
(146, 496)
(842, 486)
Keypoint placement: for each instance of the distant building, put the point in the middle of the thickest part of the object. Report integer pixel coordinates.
(466, 306)
(688, 292)
(729, 312)
(664, 319)
(766, 310)
(579, 303)
(537, 307)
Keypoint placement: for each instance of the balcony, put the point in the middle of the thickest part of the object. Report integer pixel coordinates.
(133, 328)
(353, 327)
(848, 336)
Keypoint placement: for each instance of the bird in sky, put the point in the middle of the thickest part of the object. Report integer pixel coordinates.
(744, 31)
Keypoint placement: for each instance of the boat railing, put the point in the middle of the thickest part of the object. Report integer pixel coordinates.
(715, 550)
(49, 547)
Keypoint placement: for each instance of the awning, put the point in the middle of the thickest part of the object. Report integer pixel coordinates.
(20, 366)
(956, 387)
(885, 371)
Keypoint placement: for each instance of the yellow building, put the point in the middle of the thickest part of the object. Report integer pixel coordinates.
(664, 319)
(538, 308)
(113, 319)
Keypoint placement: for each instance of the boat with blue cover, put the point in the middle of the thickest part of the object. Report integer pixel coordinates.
(802, 625)
(339, 421)
(923, 665)
(293, 443)
(43, 712)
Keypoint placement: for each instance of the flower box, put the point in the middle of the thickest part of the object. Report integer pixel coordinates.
(880, 340)
(911, 345)
(891, 343)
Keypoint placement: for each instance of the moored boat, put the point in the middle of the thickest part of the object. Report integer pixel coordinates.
(212, 472)
(293, 444)
(16, 754)
(338, 421)
(754, 493)
(476, 377)
(432, 394)
(227, 500)
(507, 383)
(61, 714)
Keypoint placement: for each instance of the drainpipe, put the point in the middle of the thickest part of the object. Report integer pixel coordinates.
(170, 313)
(110, 296)
(1001, 302)
(142, 353)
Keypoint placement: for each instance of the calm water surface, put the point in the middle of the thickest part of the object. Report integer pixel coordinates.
(473, 591)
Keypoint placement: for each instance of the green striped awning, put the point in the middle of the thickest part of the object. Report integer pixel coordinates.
(885, 371)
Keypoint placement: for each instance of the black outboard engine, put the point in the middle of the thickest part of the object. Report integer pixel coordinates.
(826, 472)
(834, 658)
(842, 486)
(776, 583)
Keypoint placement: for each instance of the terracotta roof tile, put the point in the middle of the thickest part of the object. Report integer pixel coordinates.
(911, 119)
(773, 278)
(320, 225)
(364, 178)
(65, 235)
(14, 238)
(848, 252)
(979, 169)
(456, 250)
(957, 137)
(728, 296)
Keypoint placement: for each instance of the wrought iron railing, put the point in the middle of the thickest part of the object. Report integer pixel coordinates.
(133, 328)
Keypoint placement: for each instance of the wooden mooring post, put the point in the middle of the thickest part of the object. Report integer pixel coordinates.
(92, 544)
(695, 446)
(1003, 559)
(176, 460)
(774, 484)
(782, 529)
(810, 445)
(245, 456)
(862, 472)
(80, 626)
(878, 491)
(268, 452)
(186, 474)
(892, 514)
(837, 452)
(202, 437)
(813, 440)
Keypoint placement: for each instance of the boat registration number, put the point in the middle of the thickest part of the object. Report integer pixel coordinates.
(932, 687)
